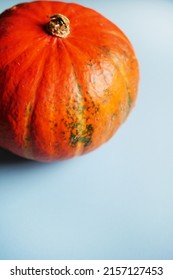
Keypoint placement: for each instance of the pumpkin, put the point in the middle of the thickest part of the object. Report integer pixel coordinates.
(68, 80)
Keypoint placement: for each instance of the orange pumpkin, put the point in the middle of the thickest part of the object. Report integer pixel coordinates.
(68, 80)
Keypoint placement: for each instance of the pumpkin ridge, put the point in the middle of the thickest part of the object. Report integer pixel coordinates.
(52, 118)
(29, 123)
(95, 103)
(77, 141)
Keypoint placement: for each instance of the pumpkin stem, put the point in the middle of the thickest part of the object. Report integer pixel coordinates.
(58, 26)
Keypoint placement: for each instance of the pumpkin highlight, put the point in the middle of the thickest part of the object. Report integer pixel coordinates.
(68, 79)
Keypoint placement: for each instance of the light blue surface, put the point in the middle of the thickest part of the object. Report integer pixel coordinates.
(117, 202)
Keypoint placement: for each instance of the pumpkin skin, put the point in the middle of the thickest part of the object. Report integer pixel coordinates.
(62, 97)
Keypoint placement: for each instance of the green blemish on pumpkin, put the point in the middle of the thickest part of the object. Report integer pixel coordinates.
(89, 128)
(28, 139)
(93, 109)
(73, 139)
(79, 87)
(85, 140)
(68, 111)
(75, 125)
(81, 109)
(85, 136)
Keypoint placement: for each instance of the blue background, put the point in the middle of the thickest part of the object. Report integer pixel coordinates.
(117, 202)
